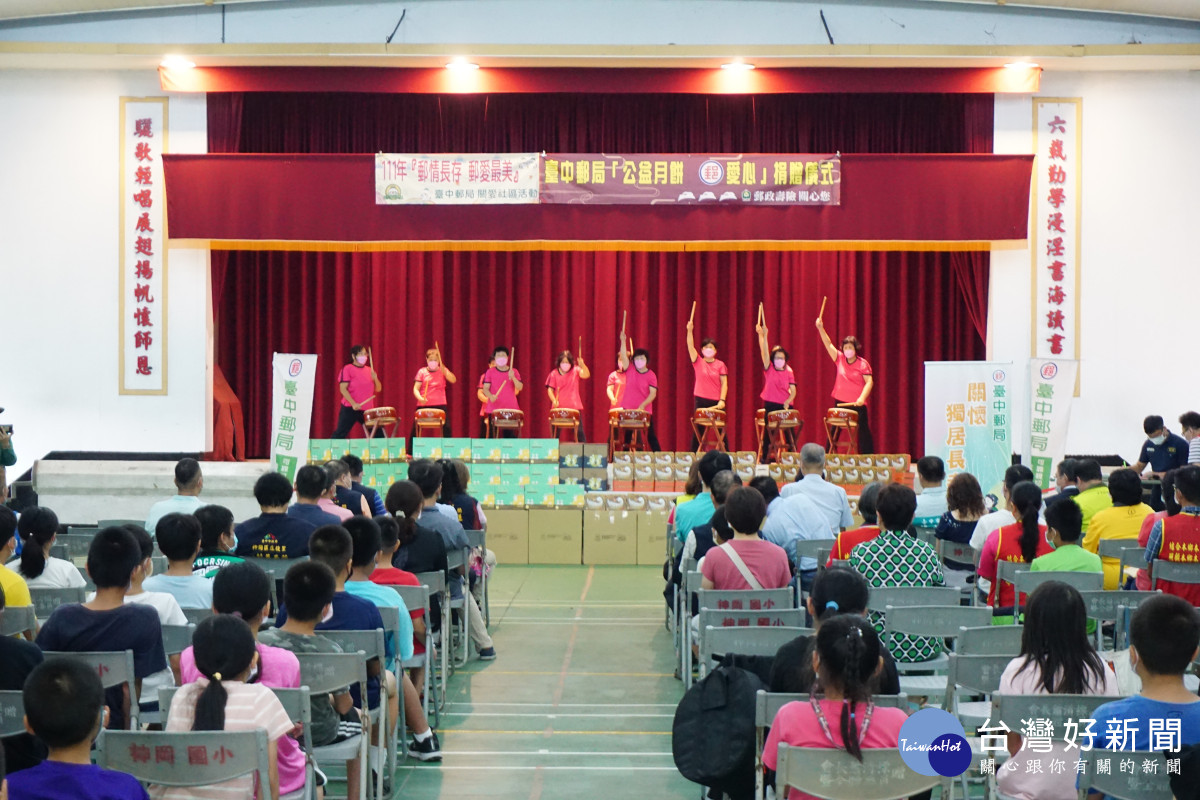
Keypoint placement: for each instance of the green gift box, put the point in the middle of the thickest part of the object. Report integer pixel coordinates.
(427, 447)
(377, 451)
(338, 448)
(395, 449)
(569, 494)
(456, 448)
(513, 475)
(361, 448)
(318, 451)
(514, 450)
(543, 450)
(485, 450)
(543, 475)
(510, 497)
(485, 475)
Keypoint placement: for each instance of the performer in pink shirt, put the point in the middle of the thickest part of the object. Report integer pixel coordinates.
(429, 386)
(779, 382)
(854, 380)
(562, 385)
(358, 385)
(641, 386)
(712, 376)
(500, 384)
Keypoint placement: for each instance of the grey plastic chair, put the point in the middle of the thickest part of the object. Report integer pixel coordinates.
(276, 569)
(330, 673)
(748, 599)
(59, 550)
(990, 640)
(436, 583)
(370, 643)
(1026, 582)
(17, 619)
(108, 523)
(752, 640)
(780, 617)
(975, 675)
(689, 586)
(1125, 785)
(883, 596)
(194, 758)
(1177, 571)
(937, 622)
(415, 597)
(478, 539)
(12, 713)
(177, 638)
(114, 668)
(197, 615)
(836, 775)
(1104, 606)
(46, 600)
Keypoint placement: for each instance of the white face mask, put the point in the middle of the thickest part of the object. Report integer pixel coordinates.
(328, 614)
(432, 365)
(708, 352)
(639, 363)
(360, 360)
(1158, 439)
(501, 361)
(780, 363)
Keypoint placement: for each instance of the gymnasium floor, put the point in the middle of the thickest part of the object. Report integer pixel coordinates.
(579, 702)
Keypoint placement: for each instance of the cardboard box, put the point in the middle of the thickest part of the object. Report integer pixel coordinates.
(643, 478)
(508, 535)
(377, 451)
(543, 450)
(427, 447)
(387, 474)
(622, 477)
(543, 474)
(485, 450)
(337, 448)
(622, 457)
(664, 459)
(318, 451)
(664, 475)
(609, 537)
(570, 455)
(514, 450)
(556, 536)
(643, 459)
(681, 475)
(595, 456)
(484, 475)
(790, 473)
(652, 536)
(514, 475)
(745, 473)
(792, 459)
(659, 504)
(635, 502)
(596, 480)
(541, 496)
(616, 502)
(361, 448)
(510, 497)
(395, 449)
(570, 475)
(776, 472)
(594, 501)
(486, 495)
(570, 495)
(744, 458)
(684, 458)
(457, 448)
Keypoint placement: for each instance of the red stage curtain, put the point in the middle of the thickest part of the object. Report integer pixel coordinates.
(907, 308)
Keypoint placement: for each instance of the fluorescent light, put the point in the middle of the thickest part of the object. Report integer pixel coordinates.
(462, 64)
(177, 62)
(1021, 65)
(737, 65)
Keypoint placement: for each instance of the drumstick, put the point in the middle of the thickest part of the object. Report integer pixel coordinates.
(512, 358)
(623, 313)
(580, 354)
(821, 315)
(370, 358)
(692, 317)
(369, 399)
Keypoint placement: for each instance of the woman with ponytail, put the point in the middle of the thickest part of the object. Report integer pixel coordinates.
(839, 713)
(420, 549)
(222, 700)
(1022, 542)
(38, 529)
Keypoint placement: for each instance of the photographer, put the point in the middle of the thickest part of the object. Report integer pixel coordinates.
(8, 456)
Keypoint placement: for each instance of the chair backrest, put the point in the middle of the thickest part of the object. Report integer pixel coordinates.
(989, 640)
(435, 581)
(1177, 571)
(926, 534)
(1133, 784)
(109, 523)
(767, 704)
(1026, 582)
(477, 538)
(46, 600)
(158, 564)
(779, 617)
(883, 596)
(87, 531)
(59, 550)
(977, 673)
(16, 619)
(194, 758)
(369, 642)
(748, 599)
(177, 638)
(1113, 548)
(12, 713)
(275, 567)
(324, 673)
(197, 615)
(457, 558)
(940, 621)
(1104, 605)
(746, 641)
(1058, 708)
(77, 541)
(956, 552)
(811, 548)
(836, 775)
(114, 668)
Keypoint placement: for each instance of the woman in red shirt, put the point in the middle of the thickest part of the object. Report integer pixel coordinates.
(562, 385)
(429, 387)
(1022, 541)
(853, 383)
(779, 382)
(712, 376)
(358, 385)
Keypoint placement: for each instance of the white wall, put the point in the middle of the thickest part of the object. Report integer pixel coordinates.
(59, 273)
(1140, 217)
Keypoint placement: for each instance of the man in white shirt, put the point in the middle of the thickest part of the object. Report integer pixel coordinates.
(797, 518)
(1189, 421)
(931, 502)
(189, 482)
(830, 499)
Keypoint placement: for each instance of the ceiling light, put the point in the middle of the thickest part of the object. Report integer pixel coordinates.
(1021, 65)
(737, 65)
(459, 63)
(177, 62)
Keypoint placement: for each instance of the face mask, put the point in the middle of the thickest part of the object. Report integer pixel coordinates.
(708, 352)
(639, 363)
(564, 368)
(849, 353)
(432, 365)
(1158, 439)
(234, 537)
(328, 614)
(780, 363)
(1050, 541)
(501, 361)
(360, 360)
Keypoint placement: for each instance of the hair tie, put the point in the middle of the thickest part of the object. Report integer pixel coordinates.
(831, 604)
(399, 514)
(855, 631)
(237, 614)
(216, 676)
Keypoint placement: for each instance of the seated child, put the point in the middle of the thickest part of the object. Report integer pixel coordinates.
(64, 707)
(217, 541)
(38, 528)
(178, 537)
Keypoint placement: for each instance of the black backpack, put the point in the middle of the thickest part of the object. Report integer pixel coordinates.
(713, 734)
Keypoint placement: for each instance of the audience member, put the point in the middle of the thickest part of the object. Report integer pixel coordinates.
(848, 540)
(38, 527)
(895, 558)
(12, 584)
(1093, 495)
(829, 498)
(699, 510)
(1122, 521)
(178, 537)
(746, 562)
(189, 482)
(107, 622)
(454, 494)
(273, 534)
(223, 699)
(840, 714)
(418, 549)
(1189, 421)
(797, 518)
(387, 575)
(836, 590)
(427, 475)
(308, 590)
(343, 495)
(164, 605)
(1001, 516)
(1171, 509)
(464, 480)
(1164, 634)
(1162, 451)
(964, 509)
(1064, 526)
(313, 491)
(1177, 538)
(355, 465)
(700, 538)
(931, 502)
(17, 660)
(1021, 542)
(768, 488)
(1064, 478)
(64, 708)
(217, 541)
(1056, 657)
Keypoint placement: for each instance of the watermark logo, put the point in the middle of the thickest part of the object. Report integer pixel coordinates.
(933, 742)
(295, 367)
(711, 172)
(1049, 370)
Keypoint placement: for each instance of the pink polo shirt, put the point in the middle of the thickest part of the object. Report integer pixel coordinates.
(433, 386)
(637, 388)
(617, 378)
(361, 384)
(500, 382)
(566, 387)
(708, 378)
(777, 384)
(851, 378)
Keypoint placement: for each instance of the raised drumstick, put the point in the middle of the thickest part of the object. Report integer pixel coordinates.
(692, 316)
(821, 315)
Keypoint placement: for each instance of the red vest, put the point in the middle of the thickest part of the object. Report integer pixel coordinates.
(1008, 548)
(1181, 542)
